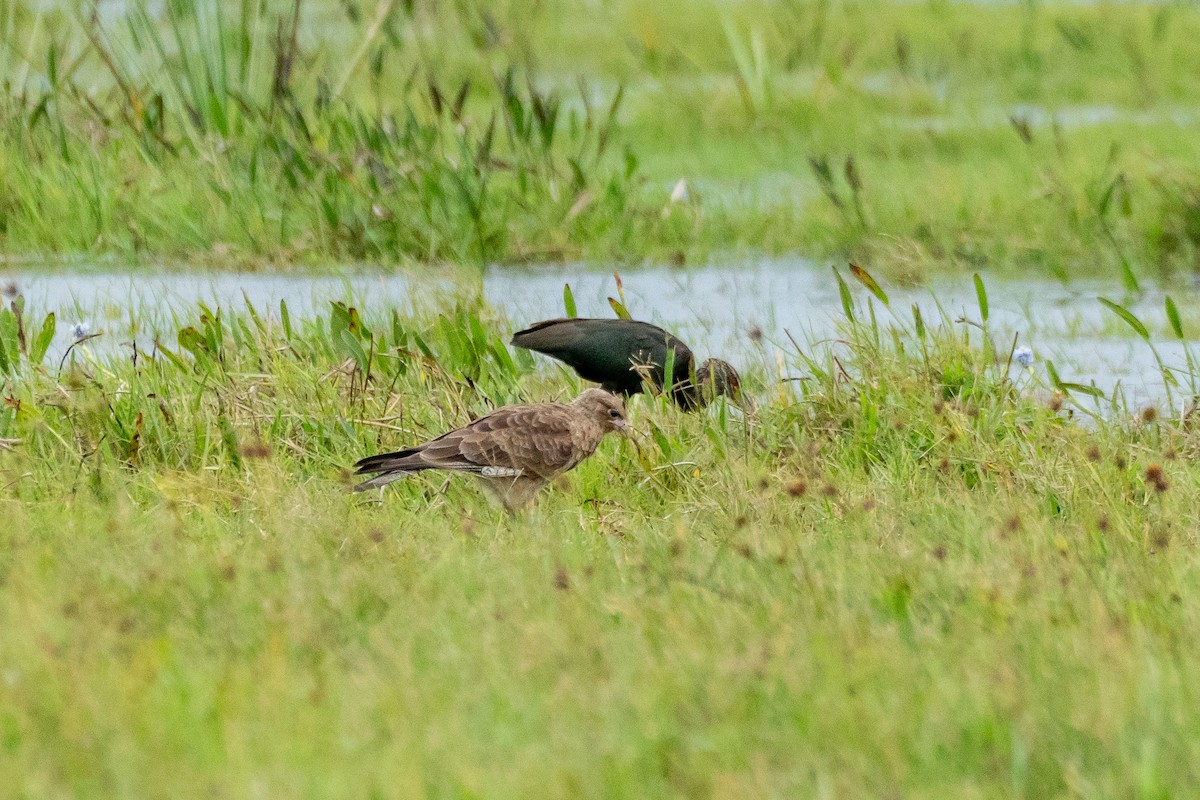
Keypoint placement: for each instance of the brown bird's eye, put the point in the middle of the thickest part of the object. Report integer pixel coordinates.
(612, 412)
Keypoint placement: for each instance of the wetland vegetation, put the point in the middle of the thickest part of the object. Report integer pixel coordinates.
(1036, 138)
(922, 564)
(904, 571)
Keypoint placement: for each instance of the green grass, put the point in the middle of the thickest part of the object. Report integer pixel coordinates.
(239, 133)
(903, 574)
(910, 571)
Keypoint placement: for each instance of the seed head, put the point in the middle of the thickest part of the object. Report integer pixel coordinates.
(1156, 479)
(562, 581)
(254, 450)
(796, 488)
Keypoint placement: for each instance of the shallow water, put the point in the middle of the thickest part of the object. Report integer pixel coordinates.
(714, 308)
(1068, 117)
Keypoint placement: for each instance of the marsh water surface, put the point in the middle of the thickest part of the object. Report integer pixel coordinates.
(715, 308)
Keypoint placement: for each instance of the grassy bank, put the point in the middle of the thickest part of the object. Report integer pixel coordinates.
(1032, 138)
(905, 573)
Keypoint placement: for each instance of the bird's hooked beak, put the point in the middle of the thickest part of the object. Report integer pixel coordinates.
(621, 426)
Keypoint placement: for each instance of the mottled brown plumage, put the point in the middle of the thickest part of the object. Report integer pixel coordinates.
(515, 450)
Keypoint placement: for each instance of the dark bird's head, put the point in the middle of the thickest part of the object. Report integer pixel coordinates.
(604, 408)
(714, 377)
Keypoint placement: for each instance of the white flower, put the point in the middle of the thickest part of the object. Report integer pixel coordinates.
(680, 193)
(1024, 356)
(80, 330)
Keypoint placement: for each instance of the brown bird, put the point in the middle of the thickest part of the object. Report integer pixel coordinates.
(515, 450)
(621, 354)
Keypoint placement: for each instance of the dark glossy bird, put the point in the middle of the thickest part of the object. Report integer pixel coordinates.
(621, 354)
(515, 450)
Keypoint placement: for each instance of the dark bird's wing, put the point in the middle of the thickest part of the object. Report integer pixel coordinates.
(607, 350)
(513, 442)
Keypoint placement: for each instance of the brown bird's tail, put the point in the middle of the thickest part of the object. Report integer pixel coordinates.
(389, 467)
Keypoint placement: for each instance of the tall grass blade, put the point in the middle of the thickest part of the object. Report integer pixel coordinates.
(229, 439)
(285, 319)
(660, 438)
(355, 349)
(10, 348)
(844, 292)
(619, 308)
(1055, 381)
(669, 369)
(1128, 317)
(620, 287)
(1128, 279)
(1173, 317)
(866, 280)
(41, 342)
(1079, 388)
(981, 297)
(1069, 387)
(569, 301)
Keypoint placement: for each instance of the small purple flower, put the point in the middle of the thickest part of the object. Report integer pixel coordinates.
(1024, 356)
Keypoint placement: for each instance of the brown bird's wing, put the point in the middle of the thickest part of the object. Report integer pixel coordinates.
(511, 442)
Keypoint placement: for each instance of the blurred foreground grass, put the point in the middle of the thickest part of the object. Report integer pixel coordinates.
(905, 574)
(1047, 138)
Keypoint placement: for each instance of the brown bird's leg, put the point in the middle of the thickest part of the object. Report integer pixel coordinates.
(514, 494)
(495, 492)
